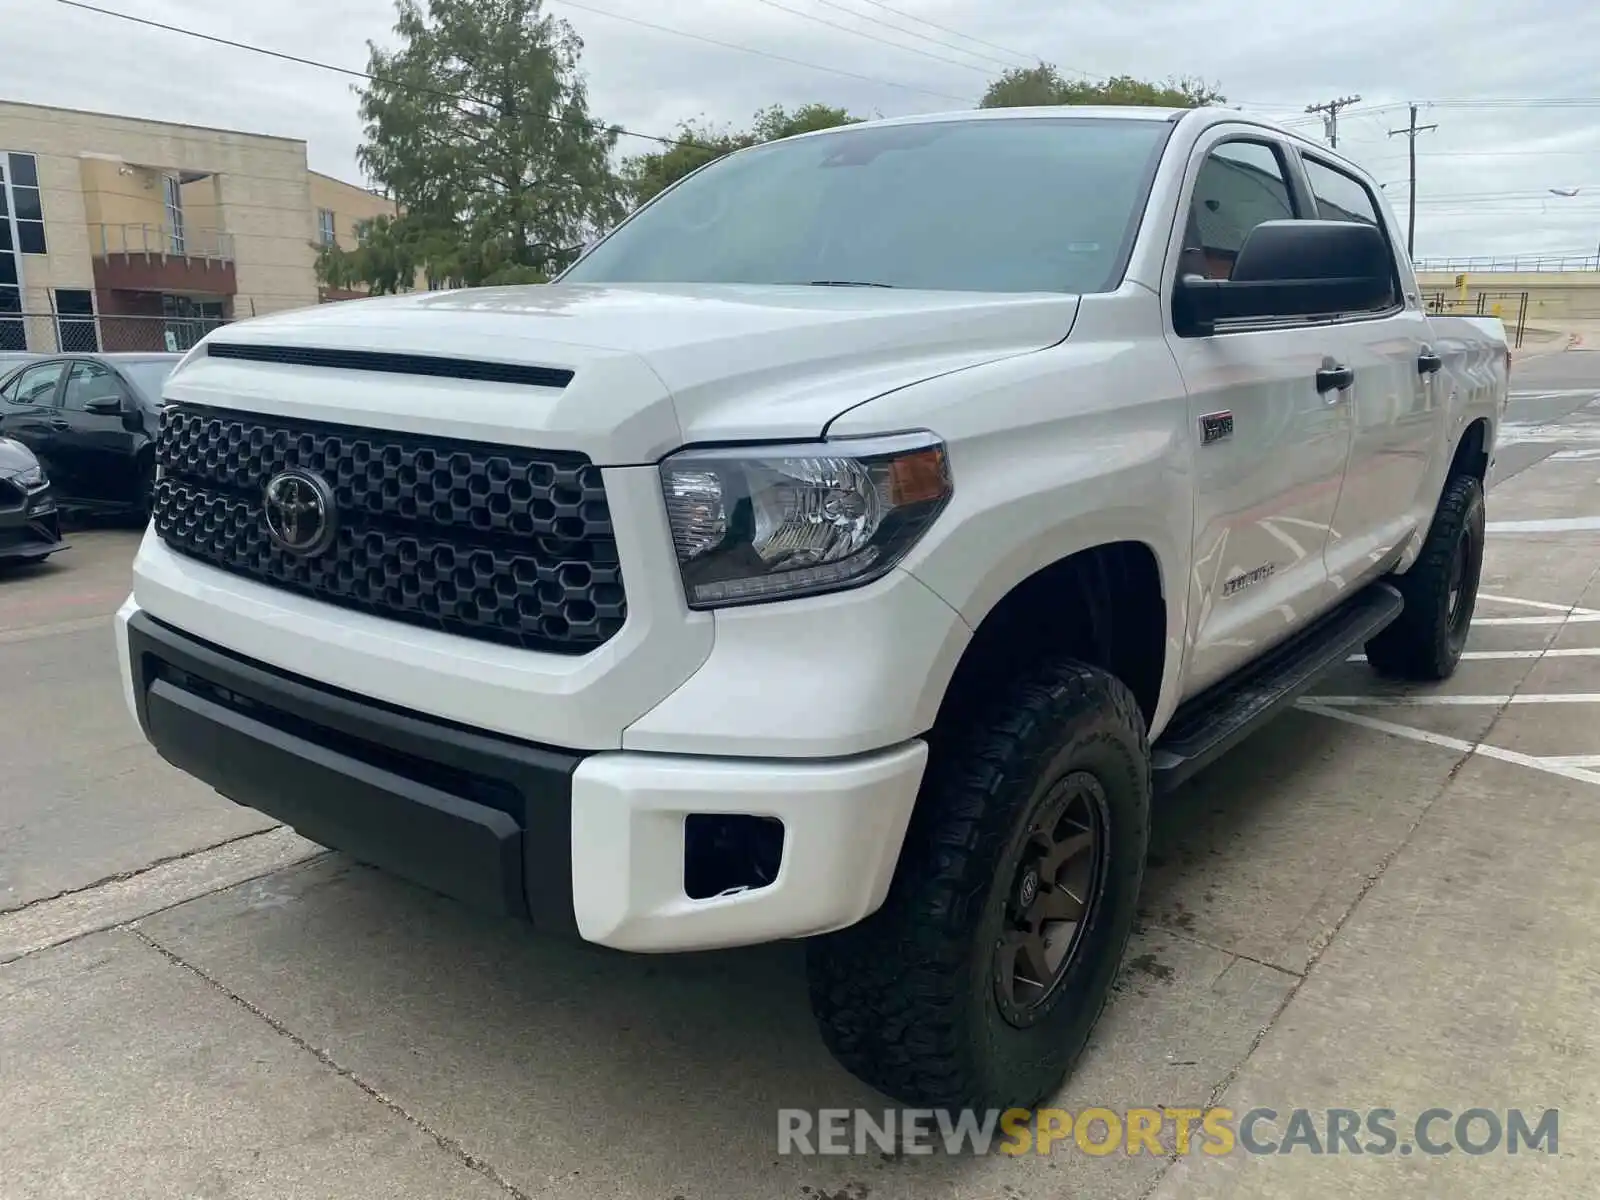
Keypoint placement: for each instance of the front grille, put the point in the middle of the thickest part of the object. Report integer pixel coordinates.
(496, 543)
(12, 494)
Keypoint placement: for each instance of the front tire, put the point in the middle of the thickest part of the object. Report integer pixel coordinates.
(1024, 859)
(1441, 592)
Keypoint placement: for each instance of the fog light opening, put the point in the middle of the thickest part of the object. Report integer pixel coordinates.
(725, 854)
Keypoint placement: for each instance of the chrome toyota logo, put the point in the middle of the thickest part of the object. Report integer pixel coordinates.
(299, 511)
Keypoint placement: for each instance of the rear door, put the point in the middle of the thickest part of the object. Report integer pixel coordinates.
(1270, 447)
(1394, 405)
(28, 409)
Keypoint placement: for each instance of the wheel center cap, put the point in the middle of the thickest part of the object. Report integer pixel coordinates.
(1028, 888)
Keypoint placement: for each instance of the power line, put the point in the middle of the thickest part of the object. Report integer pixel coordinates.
(794, 62)
(352, 73)
(959, 49)
(1027, 58)
(871, 37)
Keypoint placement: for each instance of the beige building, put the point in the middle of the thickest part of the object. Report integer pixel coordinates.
(124, 234)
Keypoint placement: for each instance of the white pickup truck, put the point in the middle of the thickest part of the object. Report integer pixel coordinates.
(846, 548)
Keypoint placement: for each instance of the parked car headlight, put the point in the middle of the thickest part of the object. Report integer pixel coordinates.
(30, 477)
(754, 523)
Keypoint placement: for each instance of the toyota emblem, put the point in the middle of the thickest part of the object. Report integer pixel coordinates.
(299, 512)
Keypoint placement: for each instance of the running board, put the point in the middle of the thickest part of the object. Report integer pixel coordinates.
(1218, 719)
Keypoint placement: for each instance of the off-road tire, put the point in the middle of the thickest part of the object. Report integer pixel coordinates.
(1426, 642)
(906, 999)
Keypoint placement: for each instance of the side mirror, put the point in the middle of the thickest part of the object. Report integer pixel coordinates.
(105, 405)
(1293, 269)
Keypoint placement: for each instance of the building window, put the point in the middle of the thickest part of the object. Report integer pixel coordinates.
(22, 207)
(76, 332)
(362, 229)
(174, 197)
(13, 331)
(325, 226)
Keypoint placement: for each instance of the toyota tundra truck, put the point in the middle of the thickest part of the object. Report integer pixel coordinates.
(848, 547)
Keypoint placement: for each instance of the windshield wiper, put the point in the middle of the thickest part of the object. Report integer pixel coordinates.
(846, 283)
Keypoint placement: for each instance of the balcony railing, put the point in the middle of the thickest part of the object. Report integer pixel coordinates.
(1526, 263)
(162, 241)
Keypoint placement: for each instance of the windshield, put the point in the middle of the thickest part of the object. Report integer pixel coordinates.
(147, 377)
(1023, 205)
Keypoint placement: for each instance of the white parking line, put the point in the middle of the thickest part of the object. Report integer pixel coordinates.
(1552, 525)
(1553, 619)
(1563, 608)
(1548, 766)
(1480, 655)
(1433, 699)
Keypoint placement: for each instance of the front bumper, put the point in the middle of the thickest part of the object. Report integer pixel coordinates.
(30, 524)
(592, 844)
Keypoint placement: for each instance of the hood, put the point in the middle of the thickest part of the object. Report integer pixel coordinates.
(658, 366)
(14, 457)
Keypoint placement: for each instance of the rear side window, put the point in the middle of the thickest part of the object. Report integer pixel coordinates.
(1342, 197)
(38, 384)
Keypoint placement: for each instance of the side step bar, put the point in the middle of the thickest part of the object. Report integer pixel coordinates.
(1210, 724)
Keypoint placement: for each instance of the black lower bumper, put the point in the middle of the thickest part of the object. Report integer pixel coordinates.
(481, 818)
(30, 525)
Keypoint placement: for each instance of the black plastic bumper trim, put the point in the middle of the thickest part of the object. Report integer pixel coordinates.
(482, 818)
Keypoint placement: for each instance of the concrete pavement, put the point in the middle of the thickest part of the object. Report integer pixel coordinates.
(1381, 901)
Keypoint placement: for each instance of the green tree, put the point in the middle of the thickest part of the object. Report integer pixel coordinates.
(644, 175)
(478, 126)
(1026, 87)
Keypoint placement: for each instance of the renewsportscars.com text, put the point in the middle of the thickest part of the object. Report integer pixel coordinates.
(1161, 1132)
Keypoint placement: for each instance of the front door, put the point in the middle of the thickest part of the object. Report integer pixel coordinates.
(95, 439)
(1271, 439)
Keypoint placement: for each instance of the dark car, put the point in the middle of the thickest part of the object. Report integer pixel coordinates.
(92, 420)
(30, 528)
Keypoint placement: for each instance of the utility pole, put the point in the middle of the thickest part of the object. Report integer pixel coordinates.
(1330, 116)
(1411, 132)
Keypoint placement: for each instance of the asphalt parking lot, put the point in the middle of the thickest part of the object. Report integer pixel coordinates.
(1386, 900)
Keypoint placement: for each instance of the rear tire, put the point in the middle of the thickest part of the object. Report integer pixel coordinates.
(916, 1000)
(1441, 591)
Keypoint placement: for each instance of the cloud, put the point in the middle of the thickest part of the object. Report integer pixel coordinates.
(1484, 174)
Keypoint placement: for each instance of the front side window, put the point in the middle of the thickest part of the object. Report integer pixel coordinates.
(991, 205)
(89, 381)
(1240, 185)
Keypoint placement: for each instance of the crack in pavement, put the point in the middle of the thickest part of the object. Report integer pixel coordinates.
(125, 876)
(446, 1143)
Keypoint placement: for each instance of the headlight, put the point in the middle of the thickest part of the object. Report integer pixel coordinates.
(30, 477)
(757, 523)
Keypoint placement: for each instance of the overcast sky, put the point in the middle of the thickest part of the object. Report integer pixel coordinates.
(1484, 175)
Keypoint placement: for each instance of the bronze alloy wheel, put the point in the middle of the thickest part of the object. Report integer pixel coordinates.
(1052, 897)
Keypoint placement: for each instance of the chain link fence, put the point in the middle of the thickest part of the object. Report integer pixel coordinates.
(61, 333)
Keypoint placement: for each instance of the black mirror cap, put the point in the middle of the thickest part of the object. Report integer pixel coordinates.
(1284, 250)
(1294, 269)
(105, 404)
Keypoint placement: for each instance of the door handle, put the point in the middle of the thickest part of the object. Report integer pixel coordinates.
(59, 425)
(1428, 362)
(1335, 379)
